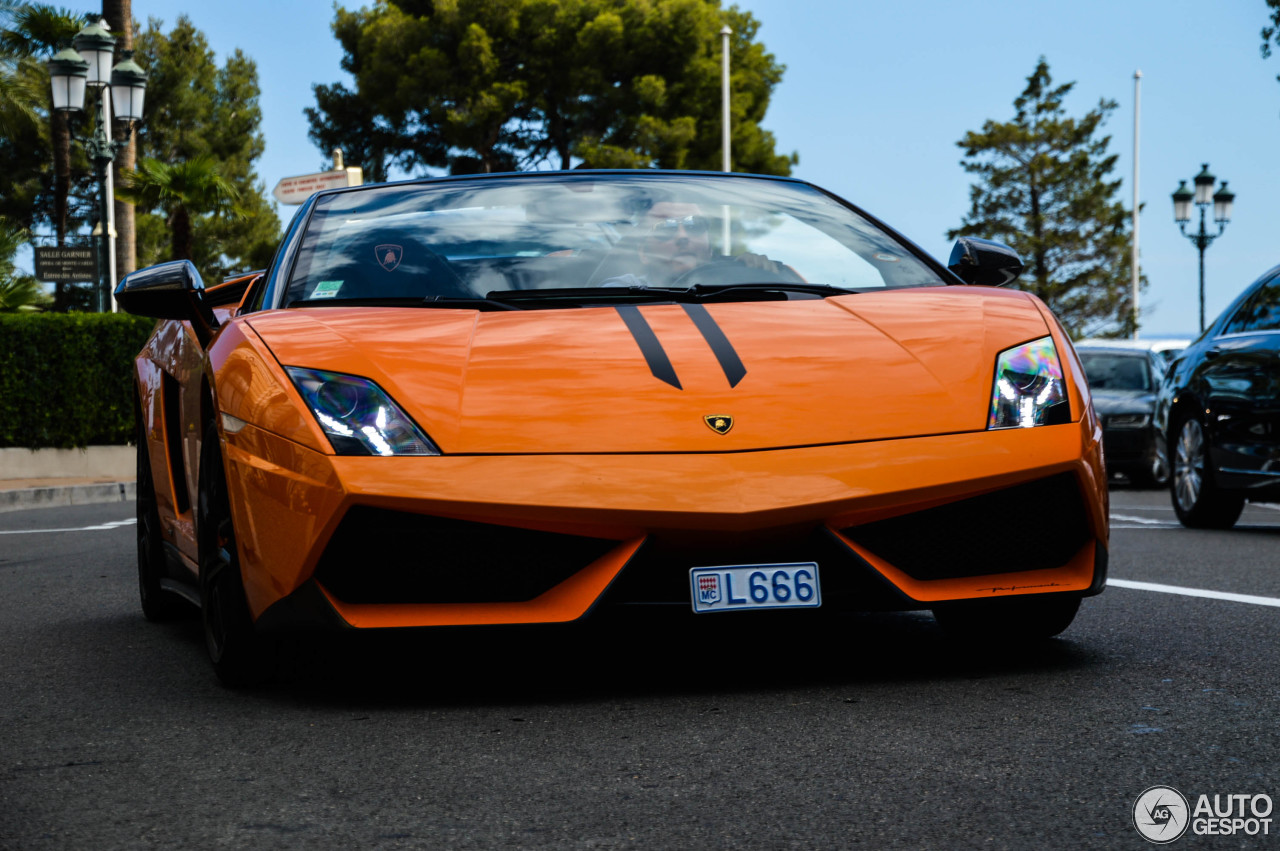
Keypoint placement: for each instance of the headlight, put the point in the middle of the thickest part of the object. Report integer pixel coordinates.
(1028, 390)
(1128, 420)
(357, 417)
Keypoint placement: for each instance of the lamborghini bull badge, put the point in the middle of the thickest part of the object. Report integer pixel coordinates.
(389, 256)
(719, 423)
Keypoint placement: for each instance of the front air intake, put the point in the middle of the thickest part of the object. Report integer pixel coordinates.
(1032, 526)
(382, 556)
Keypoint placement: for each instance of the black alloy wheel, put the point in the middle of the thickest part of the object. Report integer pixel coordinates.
(1027, 618)
(1197, 500)
(1158, 463)
(240, 656)
(1153, 472)
(157, 604)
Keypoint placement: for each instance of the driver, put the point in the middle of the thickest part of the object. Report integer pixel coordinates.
(676, 240)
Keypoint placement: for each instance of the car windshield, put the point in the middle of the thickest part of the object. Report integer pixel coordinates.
(1116, 371)
(522, 239)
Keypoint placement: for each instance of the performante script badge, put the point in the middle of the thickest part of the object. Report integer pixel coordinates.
(389, 256)
(719, 423)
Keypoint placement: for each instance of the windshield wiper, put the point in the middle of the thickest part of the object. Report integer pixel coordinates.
(475, 302)
(457, 302)
(578, 296)
(784, 287)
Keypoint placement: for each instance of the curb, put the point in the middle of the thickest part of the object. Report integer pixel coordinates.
(49, 497)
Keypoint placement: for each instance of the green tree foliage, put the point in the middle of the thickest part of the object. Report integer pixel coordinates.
(1043, 186)
(45, 182)
(1271, 32)
(184, 191)
(496, 85)
(18, 292)
(203, 122)
(20, 99)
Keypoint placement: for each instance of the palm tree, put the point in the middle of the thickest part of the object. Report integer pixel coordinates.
(37, 31)
(119, 14)
(18, 292)
(20, 95)
(194, 187)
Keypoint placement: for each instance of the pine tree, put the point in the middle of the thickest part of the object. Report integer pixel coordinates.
(197, 111)
(496, 85)
(1044, 188)
(1271, 32)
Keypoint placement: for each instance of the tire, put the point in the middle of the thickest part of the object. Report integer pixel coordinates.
(1197, 500)
(1154, 471)
(1027, 618)
(1158, 464)
(158, 605)
(240, 656)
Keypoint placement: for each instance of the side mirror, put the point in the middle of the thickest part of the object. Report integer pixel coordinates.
(172, 290)
(984, 262)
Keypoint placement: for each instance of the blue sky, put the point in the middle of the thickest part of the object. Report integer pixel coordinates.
(876, 95)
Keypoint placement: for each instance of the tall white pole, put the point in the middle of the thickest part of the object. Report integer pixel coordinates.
(110, 223)
(724, 96)
(726, 161)
(1137, 114)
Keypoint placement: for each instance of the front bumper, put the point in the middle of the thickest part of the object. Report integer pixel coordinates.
(1128, 448)
(542, 539)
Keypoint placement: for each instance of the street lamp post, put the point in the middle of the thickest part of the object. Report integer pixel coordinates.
(1203, 196)
(123, 87)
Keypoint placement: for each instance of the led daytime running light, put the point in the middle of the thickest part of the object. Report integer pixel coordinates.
(357, 416)
(1028, 390)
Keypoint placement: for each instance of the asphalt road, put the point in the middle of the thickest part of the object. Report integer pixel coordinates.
(870, 731)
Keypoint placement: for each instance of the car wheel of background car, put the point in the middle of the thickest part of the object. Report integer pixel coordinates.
(1027, 618)
(1158, 464)
(157, 603)
(1154, 472)
(1196, 499)
(240, 656)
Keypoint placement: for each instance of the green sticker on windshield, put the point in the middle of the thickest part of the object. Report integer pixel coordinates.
(326, 289)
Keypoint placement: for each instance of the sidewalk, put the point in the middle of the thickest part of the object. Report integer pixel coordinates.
(19, 494)
(43, 478)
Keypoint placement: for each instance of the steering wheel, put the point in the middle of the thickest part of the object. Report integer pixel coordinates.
(726, 271)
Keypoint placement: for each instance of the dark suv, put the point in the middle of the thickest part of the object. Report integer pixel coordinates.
(1219, 409)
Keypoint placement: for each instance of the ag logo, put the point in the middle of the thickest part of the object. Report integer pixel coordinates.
(1161, 814)
(719, 423)
(389, 256)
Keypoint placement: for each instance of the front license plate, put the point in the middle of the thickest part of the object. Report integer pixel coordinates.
(755, 586)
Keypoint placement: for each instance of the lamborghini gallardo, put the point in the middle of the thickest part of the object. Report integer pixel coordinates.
(542, 398)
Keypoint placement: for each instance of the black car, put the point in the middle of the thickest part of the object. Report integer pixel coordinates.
(1124, 379)
(1219, 409)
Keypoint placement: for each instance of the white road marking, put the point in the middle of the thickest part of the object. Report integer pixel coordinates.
(1125, 518)
(1194, 592)
(114, 524)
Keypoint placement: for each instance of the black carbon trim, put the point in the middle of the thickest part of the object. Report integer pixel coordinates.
(719, 343)
(650, 347)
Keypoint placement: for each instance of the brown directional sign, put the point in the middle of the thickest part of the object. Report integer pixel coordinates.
(66, 264)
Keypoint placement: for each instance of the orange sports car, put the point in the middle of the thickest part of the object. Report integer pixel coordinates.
(537, 398)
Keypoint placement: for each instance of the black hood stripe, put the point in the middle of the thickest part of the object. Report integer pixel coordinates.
(719, 343)
(654, 354)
